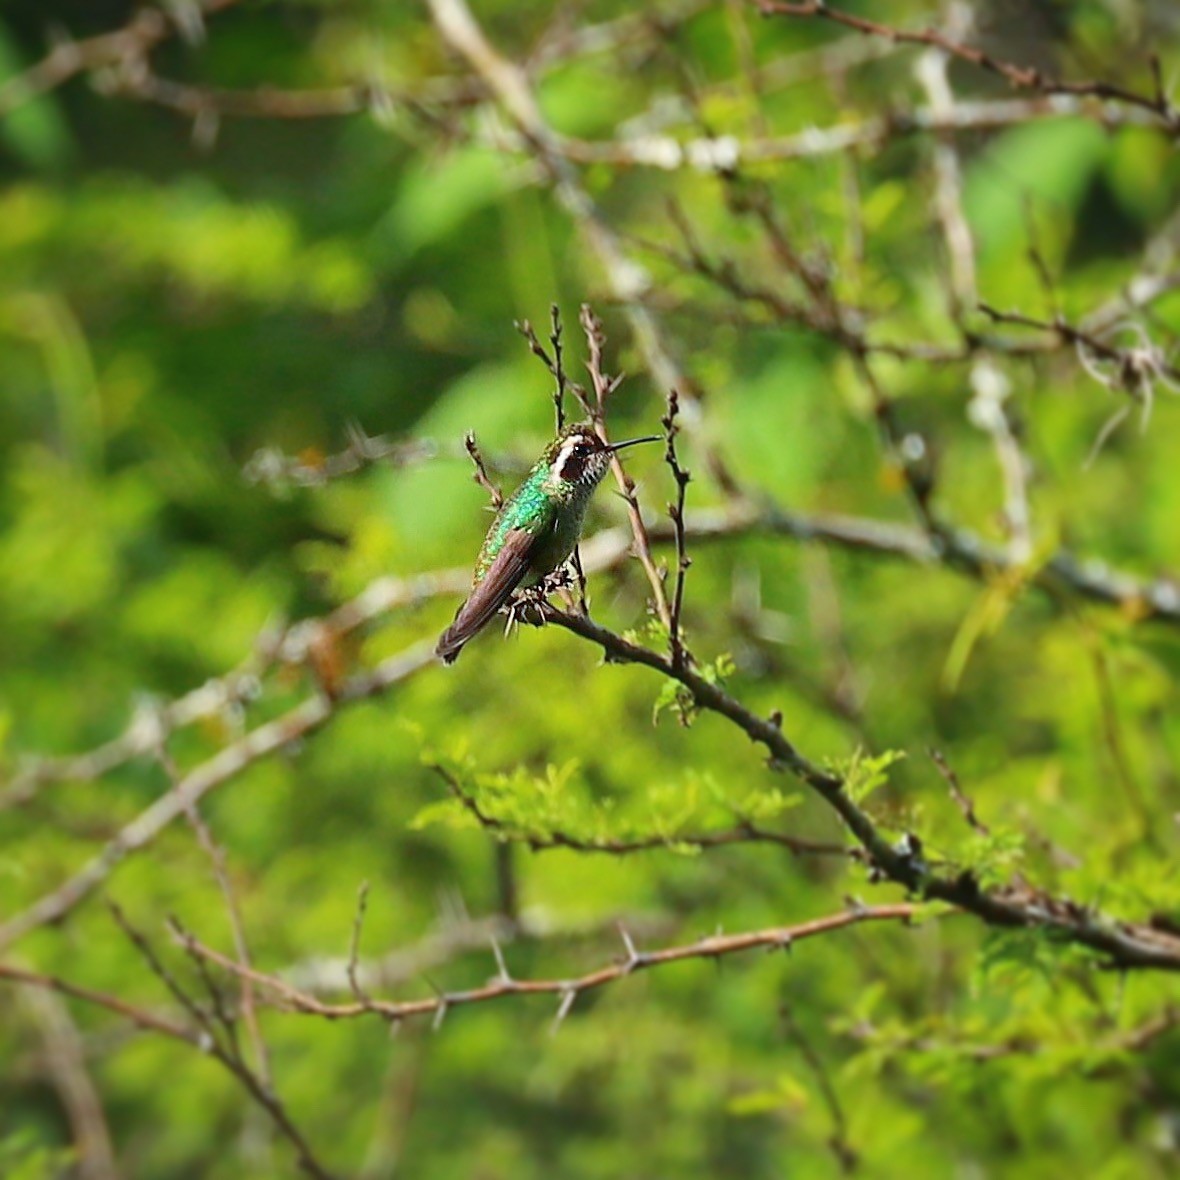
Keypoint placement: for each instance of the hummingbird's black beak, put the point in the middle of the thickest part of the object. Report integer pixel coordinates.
(632, 441)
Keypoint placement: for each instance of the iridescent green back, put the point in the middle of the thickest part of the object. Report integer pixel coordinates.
(551, 510)
(527, 508)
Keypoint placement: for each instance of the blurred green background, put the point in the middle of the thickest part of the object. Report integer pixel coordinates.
(169, 306)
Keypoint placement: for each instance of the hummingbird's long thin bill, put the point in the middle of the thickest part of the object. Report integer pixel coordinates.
(632, 441)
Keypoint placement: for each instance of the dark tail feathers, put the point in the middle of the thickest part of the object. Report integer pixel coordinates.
(450, 643)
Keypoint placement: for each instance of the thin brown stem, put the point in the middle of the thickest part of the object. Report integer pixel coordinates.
(480, 475)
(290, 999)
(744, 832)
(1021, 77)
(681, 477)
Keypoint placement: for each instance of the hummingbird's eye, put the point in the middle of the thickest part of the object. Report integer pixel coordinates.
(573, 463)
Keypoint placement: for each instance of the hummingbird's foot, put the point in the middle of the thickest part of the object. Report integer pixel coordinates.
(571, 585)
(525, 607)
(562, 578)
(526, 603)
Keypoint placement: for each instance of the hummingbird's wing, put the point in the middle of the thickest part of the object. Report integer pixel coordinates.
(494, 589)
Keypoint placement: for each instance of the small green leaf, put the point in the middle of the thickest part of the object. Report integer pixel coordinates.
(448, 813)
(863, 774)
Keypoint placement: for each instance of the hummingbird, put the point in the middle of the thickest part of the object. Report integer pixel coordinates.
(536, 528)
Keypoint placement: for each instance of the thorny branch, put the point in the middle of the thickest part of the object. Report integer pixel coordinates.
(286, 997)
(1122, 944)
(958, 550)
(456, 935)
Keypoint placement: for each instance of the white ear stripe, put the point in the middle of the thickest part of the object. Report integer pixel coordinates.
(567, 450)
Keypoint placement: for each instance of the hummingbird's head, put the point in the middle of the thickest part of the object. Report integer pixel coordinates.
(578, 456)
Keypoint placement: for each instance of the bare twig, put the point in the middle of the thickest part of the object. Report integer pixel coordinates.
(354, 946)
(217, 859)
(480, 474)
(124, 50)
(560, 380)
(753, 304)
(274, 469)
(1022, 77)
(724, 154)
(142, 1018)
(962, 802)
(1131, 366)
(1135, 371)
(676, 515)
(554, 361)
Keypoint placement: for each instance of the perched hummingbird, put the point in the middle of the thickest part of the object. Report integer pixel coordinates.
(536, 528)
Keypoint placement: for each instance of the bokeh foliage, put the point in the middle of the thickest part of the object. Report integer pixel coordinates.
(167, 310)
